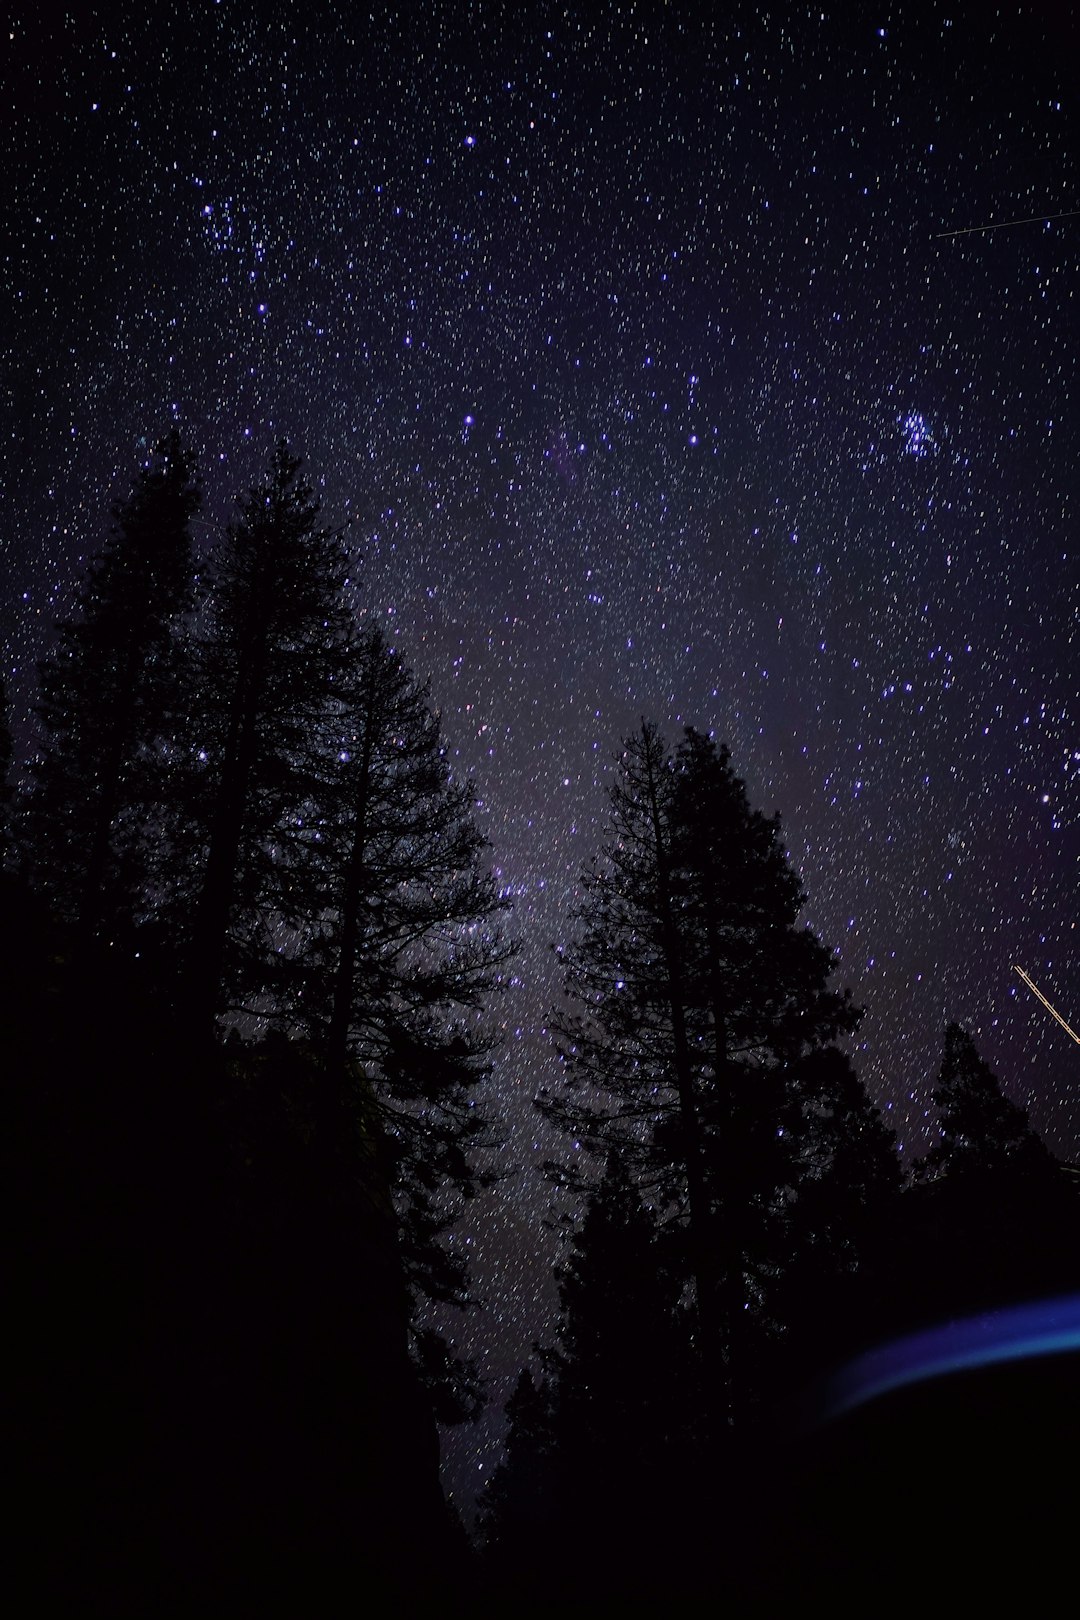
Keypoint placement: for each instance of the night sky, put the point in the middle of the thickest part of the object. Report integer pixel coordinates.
(628, 339)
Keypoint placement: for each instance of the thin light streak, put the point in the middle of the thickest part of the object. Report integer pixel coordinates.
(1004, 224)
(1036, 991)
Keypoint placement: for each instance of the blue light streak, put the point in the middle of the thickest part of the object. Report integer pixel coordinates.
(1043, 1328)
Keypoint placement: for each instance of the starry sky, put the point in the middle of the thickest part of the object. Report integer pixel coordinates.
(632, 343)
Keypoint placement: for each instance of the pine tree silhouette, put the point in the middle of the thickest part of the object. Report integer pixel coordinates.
(990, 1219)
(621, 1355)
(700, 994)
(266, 666)
(397, 946)
(980, 1128)
(587, 1447)
(109, 694)
(253, 1224)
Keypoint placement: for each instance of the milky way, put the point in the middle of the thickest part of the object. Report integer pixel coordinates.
(629, 342)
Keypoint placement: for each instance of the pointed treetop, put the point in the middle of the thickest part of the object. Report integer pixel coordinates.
(981, 1128)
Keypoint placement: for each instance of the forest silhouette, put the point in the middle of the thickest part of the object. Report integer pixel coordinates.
(251, 948)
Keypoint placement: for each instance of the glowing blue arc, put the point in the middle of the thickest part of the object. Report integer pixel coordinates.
(1045, 1328)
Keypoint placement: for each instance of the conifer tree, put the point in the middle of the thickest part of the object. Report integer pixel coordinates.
(844, 1168)
(109, 693)
(396, 948)
(991, 1219)
(980, 1128)
(838, 1211)
(607, 1422)
(619, 1362)
(700, 991)
(267, 661)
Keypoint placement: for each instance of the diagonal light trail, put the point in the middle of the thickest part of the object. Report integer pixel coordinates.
(1035, 989)
(1004, 225)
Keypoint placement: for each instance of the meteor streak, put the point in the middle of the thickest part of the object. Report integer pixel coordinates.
(1004, 224)
(1036, 991)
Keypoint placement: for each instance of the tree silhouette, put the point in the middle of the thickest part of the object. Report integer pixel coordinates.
(841, 1203)
(990, 1218)
(266, 665)
(844, 1163)
(396, 948)
(255, 1224)
(587, 1446)
(980, 1129)
(621, 1373)
(212, 1390)
(109, 694)
(700, 992)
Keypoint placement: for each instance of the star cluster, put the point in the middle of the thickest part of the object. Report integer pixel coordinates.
(629, 341)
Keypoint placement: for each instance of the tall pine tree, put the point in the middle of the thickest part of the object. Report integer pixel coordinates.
(396, 947)
(700, 993)
(109, 694)
(267, 661)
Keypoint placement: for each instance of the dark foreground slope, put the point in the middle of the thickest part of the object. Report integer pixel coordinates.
(212, 1402)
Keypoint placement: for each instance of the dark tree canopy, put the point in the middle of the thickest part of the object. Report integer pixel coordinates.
(213, 1403)
(991, 1218)
(386, 861)
(249, 956)
(253, 791)
(620, 1357)
(757, 983)
(396, 945)
(110, 693)
(980, 1129)
(271, 647)
(701, 996)
(690, 966)
(844, 1163)
(841, 1198)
